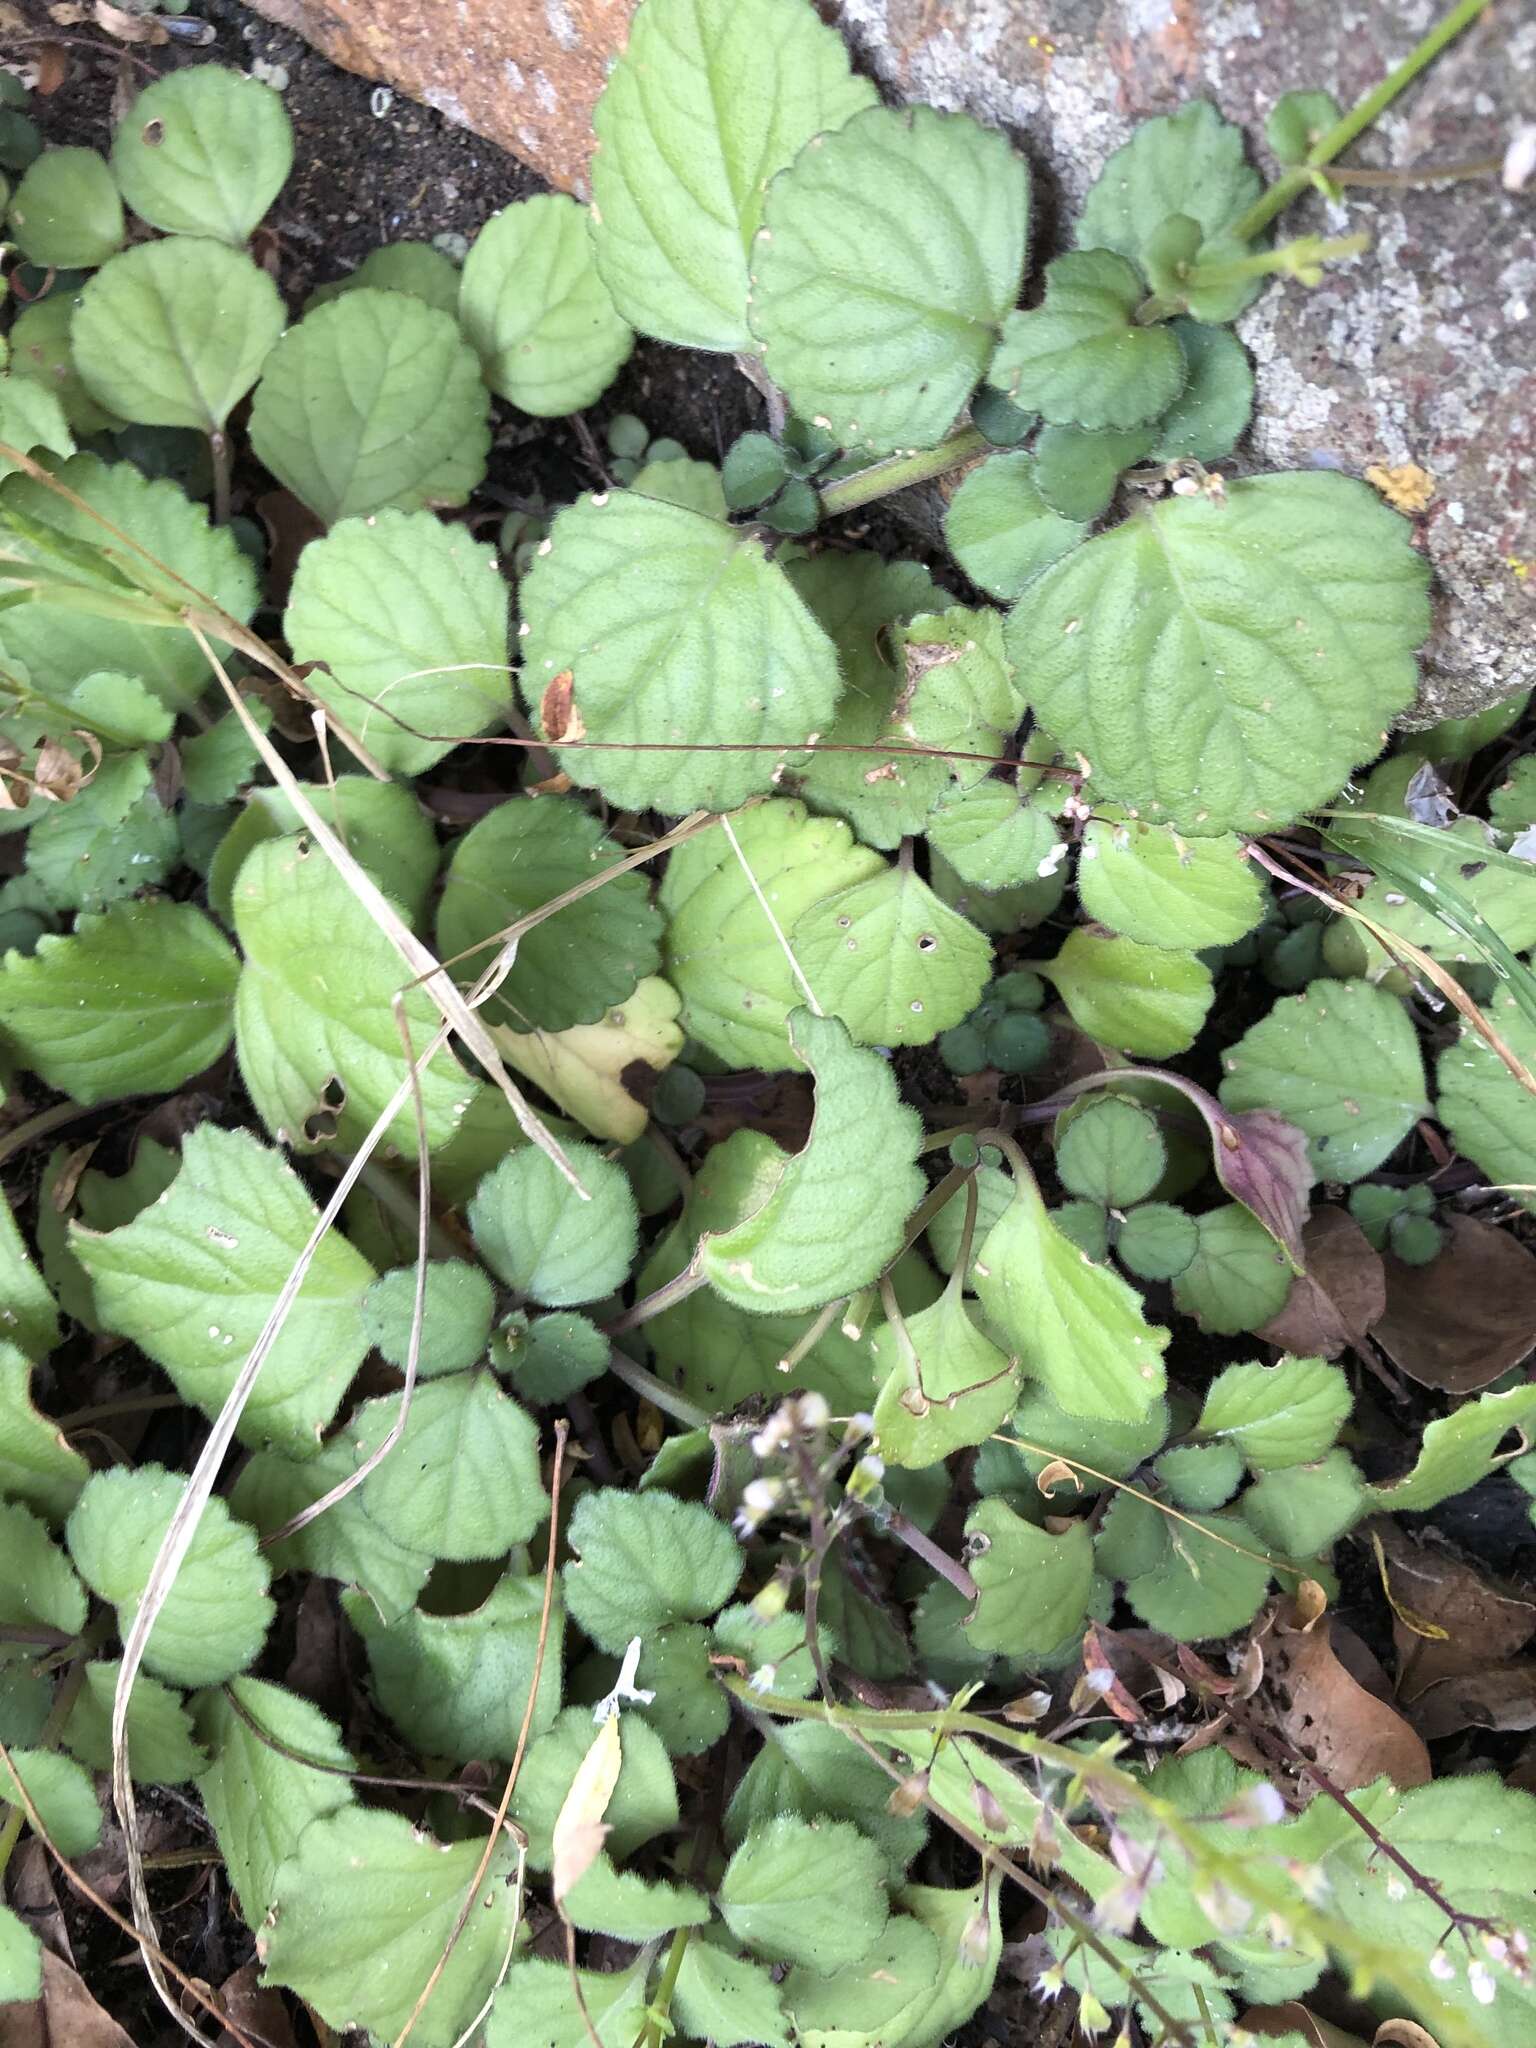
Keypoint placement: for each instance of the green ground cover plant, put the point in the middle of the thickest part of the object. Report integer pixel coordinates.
(798, 1278)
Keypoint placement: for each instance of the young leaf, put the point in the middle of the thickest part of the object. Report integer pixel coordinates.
(344, 1543)
(372, 401)
(534, 306)
(989, 837)
(642, 1560)
(1034, 1587)
(1078, 471)
(381, 824)
(1341, 1061)
(37, 1464)
(891, 961)
(456, 1316)
(1157, 1241)
(165, 964)
(40, 1586)
(823, 1229)
(192, 1278)
(466, 1481)
(573, 966)
(161, 1749)
(215, 1617)
(204, 151)
(1146, 1000)
(1238, 1278)
(408, 618)
(1190, 162)
(1000, 529)
(1200, 1477)
(709, 100)
(413, 267)
(799, 1892)
(643, 1804)
(1077, 1327)
(62, 1793)
(722, 653)
(174, 333)
(320, 1053)
(66, 214)
(1297, 120)
(1162, 890)
(946, 1385)
(1303, 1511)
(1080, 359)
(1307, 588)
(1459, 1450)
(535, 2005)
(1490, 1116)
(1277, 1415)
(538, 1236)
(691, 1711)
(1111, 1151)
(362, 1912)
(1205, 420)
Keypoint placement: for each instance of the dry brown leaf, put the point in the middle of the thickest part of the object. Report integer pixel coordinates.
(128, 27)
(1319, 1705)
(1464, 1319)
(1402, 2034)
(258, 2013)
(558, 713)
(66, 2016)
(1484, 1623)
(52, 65)
(1502, 1697)
(1336, 1300)
(1267, 2021)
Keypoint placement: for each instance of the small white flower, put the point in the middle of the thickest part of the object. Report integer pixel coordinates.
(1480, 1982)
(1051, 1983)
(1441, 1968)
(1052, 861)
(624, 1687)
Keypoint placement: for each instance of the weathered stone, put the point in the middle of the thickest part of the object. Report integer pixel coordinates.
(1423, 350)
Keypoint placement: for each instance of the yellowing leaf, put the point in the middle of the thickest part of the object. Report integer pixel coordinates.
(580, 1831)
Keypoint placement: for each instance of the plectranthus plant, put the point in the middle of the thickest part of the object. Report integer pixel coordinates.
(837, 1151)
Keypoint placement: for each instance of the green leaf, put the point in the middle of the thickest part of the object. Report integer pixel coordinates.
(1078, 471)
(31, 417)
(1341, 1061)
(65, 214)
(381, 824)
(204, 151)
(39, 1585)
(721, 653)
(552, 1357)
(1200, 1477)
(1223, 666)
(463, 1481)
(1112, 1447)
(344, 1543)
(642, 1805)
(1146, 1000)
(946, 1385)
(164, 964)
(457, 1685)
(810, 1770)
(174, 333)
(1078, 1327)
(890, 961)
(678, 481)
(823, 1229)
(63, 638)
(1000, 529)
(1277, 1415)
(728, 2000)
(65, 1799)
(989, 837)
(572, 967)
(1162, 890)
(1201, 1587)
(722, 952)
(1034, 1587)
(630, 1907)
(111, 839)
(1296, 121)
(409, 616)
(642, 1560)
(192, 1279)
(215, 1617)
(1190, 162)
(796, 1892)
(374, 400)
(1490, 1116)
(39, 344)
(889, 255)
(1459, 1450)
(37, 1465)
(535, 2008)
(161, 1748)
(540, 1237)
(1303, 1511)
(1205, 420)
(362, 1913)
(456, 1316)
(258, 1799)
(1081, 359)
(322, 1053)
(776, 1648)
(28, 1317)
(413, 267)
(1111, 1151)
(21, 1960)
(709, 100)
(534, 306)
(1239, 1276)
(1157, 1241)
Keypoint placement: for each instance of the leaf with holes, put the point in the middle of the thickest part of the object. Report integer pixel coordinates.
(823, 1230)
(709, 100)
(1080, 359)
(1223, 666)
(1147, 1000)
(678, 636)
(891, 961)
(204, 151)
(534, 305)
(542, 1238)
(1000, 529)
(463, 1481)
(643, 1560)
(889, 255)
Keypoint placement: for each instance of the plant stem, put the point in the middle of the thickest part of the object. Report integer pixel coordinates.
(901, 472)
(906, 1531)
(218, 444)
(677, 1289)
(656, 1391)
(1355, 122)
(1291, 259)
(39, 1126)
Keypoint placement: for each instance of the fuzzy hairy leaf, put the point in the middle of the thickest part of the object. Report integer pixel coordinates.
(709, 100)
(801, 1892)
(890, 961)
(1491, 1117)
(1034, 1587)
(991, 839)
(822, 1230)
(409, 616)
(161, 1748)
(538, 1236)
(1201, 1586)
(1080, 359)
(345, 1543)
(1205, 420)
(380, 823)
(40, 1585)
(1111, 1151)
(670, 627)
(1162, 890)
(1303, 1511)
(463, 1481)
(534, 2007)
(643, 1560)
(164, 965)
(643, 1803)
(1459, 1450)
(889, 255)
(573, 966)
(1000, 529)
(1277, 1415)
(535, 307)
(1239, 1276)
(1147, 1000)
(174, 333)
(458, 1306)
(1077, 470)
(813, 1771)
(946, 1385)
(28, 1317)
(215, 1617)
(31, 417)
(65, 213)
(37, 1465)
(21, 1960)
(204, 151)
(61, 1791)
(1190, 162)
(372, 401)
(1224, 666)
(192, 1278)
(414, 267)
(729, 2000)
(112, 839)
